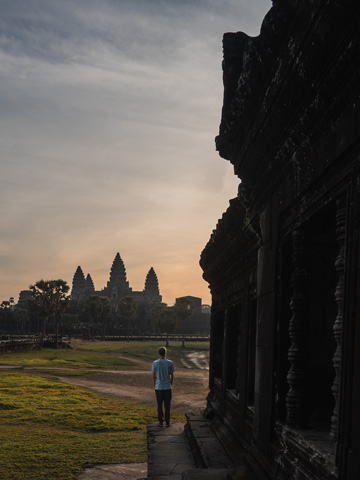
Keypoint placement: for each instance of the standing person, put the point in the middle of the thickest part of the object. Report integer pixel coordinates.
(163, 375)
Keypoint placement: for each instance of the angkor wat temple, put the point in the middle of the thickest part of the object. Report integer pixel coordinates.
(117, 287)
(283, 262)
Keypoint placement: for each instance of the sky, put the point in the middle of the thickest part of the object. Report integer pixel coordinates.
(108, 114)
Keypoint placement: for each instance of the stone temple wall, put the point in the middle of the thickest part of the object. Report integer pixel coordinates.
(283, 261)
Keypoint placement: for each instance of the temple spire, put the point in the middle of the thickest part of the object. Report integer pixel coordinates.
(78, 284)
(118, 273)
(89, 285)
(151, 283)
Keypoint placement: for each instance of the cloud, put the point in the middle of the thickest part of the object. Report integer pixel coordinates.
(108, 113)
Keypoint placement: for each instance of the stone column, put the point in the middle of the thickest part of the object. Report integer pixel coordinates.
(339, 296)
(298, 333)
(224, 352)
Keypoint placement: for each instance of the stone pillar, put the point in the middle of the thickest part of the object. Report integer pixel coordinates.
(339, 296)
(298, 333)
(224, 351)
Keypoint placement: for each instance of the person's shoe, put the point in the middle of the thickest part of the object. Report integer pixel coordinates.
(168, 425)
(160, 425)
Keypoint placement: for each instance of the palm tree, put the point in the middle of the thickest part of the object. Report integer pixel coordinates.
(49, 297)
(61, 301)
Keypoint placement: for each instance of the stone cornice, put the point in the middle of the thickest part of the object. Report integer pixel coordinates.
(278, 88)
(238, 232)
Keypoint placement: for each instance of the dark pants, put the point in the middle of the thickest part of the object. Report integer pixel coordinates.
(163, 396)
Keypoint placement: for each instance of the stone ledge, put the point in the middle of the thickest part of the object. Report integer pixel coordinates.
(208, 450)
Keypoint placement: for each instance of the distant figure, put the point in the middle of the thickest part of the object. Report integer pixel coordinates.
(163, 375)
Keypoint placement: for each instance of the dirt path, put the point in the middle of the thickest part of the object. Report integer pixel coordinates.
(189, 390)
(182, 400)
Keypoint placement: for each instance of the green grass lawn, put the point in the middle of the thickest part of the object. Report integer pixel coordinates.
(147, 350)
(50, 430)
(65, 358)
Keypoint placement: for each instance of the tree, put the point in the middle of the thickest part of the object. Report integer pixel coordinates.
(25, 321)
(20, 317)
(68, 321)
(5, 309)
(107, 314)
(61, 302)
(99, 309)
(167, 322)
(154, 313)
(94, 309)
(128, 307)
(49, 297)
(184, 308)
(7, 303)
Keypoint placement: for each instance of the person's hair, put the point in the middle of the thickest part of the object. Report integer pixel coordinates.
(162, 351)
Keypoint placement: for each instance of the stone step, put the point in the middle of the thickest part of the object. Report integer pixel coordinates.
(239, 473)
(206, 447)
(216, 457)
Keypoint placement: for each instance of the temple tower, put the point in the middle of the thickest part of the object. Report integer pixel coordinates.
(89, 286)
(151, 290)
(78, 285)
(118, 286)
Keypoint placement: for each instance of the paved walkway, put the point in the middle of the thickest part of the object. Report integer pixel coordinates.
(168, 452)
(123, 471)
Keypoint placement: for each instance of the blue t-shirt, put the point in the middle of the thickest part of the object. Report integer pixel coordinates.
(163, 368)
